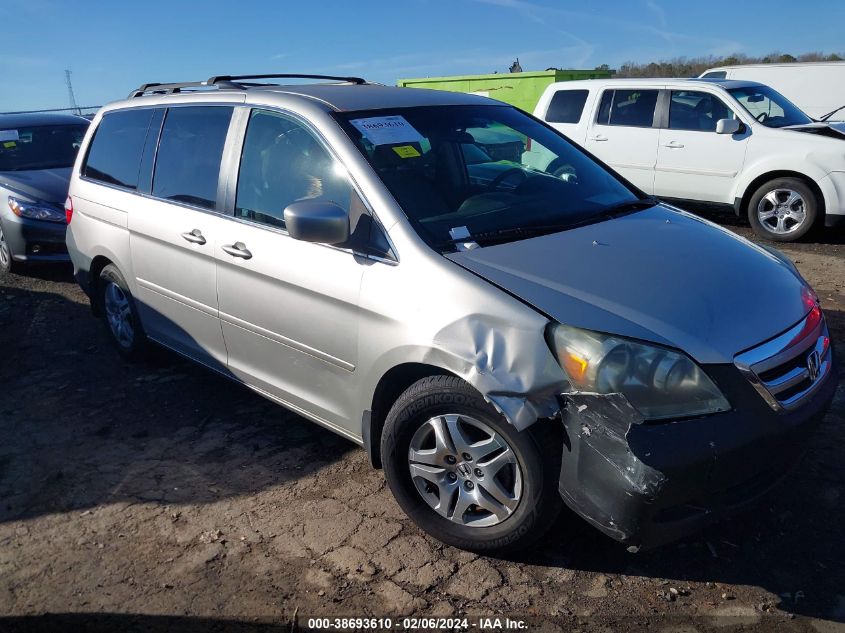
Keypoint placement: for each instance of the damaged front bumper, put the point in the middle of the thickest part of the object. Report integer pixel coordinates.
(646, 484)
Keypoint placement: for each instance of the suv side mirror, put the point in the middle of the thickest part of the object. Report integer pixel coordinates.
(728, 126)
(317, 221)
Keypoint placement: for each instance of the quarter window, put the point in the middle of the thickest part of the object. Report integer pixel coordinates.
(114, 156)
(691, 110)
(283, 163)
(189, 153)
(566, 106)
(631, 108)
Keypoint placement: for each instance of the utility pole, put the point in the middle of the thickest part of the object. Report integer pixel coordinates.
(70, 94)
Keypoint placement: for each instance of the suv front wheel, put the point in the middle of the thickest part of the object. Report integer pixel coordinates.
(463, 473)
(783, 209)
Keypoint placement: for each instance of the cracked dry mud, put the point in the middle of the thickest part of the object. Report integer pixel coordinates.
(160, 495)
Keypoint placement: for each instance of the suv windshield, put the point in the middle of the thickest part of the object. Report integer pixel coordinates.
(40, 147)
(769, 106)
(484, 174)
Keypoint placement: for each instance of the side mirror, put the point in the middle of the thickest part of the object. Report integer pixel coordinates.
(317, 221)
(728, 126)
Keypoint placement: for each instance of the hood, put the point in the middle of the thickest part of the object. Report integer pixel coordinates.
(45, 185)
(659, 275)
(822, 128)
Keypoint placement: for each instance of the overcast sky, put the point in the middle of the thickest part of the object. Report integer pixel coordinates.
(112, 47)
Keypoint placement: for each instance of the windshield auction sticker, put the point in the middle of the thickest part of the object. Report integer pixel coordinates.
(387, 130)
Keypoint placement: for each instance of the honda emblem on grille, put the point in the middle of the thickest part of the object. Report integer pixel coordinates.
(813, 365)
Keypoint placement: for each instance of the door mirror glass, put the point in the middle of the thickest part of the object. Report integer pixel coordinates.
(728, 126)
(317, 221)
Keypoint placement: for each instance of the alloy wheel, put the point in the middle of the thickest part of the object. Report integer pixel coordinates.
(782, 211)
(465, 471)
(119, 315)
(5, 253)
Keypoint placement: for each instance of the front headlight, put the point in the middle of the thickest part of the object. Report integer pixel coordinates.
(658, 382)
(36, 210)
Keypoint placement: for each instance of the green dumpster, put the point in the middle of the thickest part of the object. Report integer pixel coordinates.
(522, 90)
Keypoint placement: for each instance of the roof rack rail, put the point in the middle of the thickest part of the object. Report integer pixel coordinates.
(233, 81)
(157, 88)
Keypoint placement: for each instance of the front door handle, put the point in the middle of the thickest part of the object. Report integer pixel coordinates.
(238, 249)
(194, 237)
(674, 145)
(598, 137)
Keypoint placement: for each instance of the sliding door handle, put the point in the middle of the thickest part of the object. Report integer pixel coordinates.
(194, 237)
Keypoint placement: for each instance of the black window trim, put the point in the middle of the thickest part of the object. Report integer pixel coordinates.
(233, 168)
(655, 120)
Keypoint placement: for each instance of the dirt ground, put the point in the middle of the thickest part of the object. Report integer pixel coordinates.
(162, 497)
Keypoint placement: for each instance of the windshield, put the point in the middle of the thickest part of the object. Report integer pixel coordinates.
(483, 173)
(769, 106)
(40, 147)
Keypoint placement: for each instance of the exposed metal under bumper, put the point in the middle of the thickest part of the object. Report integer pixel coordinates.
(646, 484)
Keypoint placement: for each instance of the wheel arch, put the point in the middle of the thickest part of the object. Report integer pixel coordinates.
(97, 264)
(758, 181)
(388, 389)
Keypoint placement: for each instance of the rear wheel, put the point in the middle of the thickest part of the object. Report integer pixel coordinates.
(463, 473)
(783, 209)
(7, 262)
(121, 315)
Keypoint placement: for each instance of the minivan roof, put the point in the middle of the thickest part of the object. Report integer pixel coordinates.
(33, 119)
(777, 65)
(339, 96)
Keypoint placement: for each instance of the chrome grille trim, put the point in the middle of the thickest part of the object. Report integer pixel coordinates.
(784, 351)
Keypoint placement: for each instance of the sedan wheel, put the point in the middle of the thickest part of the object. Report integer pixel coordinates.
(5, 253)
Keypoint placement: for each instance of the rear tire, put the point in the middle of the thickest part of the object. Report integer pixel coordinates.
(511, 475)
(120, 315)
(783, 209)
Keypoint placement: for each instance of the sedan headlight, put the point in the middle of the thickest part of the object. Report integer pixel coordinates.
(658, 382)
(36, 210)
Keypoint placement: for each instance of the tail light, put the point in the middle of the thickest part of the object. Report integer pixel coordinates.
(68, 209)
(528, 144)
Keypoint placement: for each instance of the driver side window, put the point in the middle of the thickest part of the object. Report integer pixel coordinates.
(282, 163)
(698, 111)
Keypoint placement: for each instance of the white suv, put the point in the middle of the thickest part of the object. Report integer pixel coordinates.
(735, 143)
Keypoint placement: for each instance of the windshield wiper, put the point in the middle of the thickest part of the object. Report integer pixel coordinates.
(614, 211)
(825, 117)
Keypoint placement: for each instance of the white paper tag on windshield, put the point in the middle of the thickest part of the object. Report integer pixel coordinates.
(387, 130)
(9, 135)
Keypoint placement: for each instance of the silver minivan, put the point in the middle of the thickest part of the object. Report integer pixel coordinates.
(499, 338)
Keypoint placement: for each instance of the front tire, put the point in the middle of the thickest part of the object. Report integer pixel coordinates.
(783, 209)
(121, 315)
(463, 473)
(7, 261)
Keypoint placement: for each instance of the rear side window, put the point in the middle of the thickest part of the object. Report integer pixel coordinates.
(189, 153)
(631, 108)
(114, 156)
(566, 106)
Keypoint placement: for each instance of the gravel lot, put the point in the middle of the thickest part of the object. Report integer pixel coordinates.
(162, 497)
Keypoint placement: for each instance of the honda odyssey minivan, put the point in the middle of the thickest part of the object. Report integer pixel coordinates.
(499, 338)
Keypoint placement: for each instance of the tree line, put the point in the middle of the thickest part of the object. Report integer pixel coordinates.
(694, 66)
